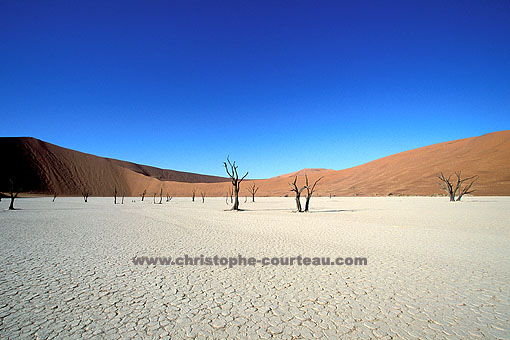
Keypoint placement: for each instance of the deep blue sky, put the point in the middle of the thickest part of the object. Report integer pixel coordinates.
(278, 85)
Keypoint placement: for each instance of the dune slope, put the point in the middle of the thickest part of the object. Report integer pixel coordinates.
(40, 167)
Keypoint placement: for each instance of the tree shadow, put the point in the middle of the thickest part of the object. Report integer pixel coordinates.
(335, 210)
(267, 209)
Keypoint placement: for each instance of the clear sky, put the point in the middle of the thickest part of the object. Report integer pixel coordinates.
(278, 85)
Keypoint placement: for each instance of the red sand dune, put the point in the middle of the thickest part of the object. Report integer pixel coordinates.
(40, 167)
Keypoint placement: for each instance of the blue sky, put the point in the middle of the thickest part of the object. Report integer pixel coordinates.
(278, 85)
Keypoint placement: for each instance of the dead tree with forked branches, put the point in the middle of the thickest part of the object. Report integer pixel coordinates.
(457, 188)
(168, 198)
(252, 189)
(143, 194)
(231, 169)
(297, 191)
(54, 196)
(309, 192)
(160, 195)
(203, 196)
(193, 192)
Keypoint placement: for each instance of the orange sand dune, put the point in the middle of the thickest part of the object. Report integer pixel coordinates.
(40, 167)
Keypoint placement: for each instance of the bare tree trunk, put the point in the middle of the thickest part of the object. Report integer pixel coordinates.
(123, 198)
(310, 190)
(11, 206)
(14, 192)
(154, 198)
(297, 191)
(193, 195)
(115, 196)
(298, 202)
(144, 193)
(54, 196)
(203, 196)
(160, 195)
(236, 199)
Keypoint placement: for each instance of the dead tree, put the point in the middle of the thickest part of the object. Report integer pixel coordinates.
(123, 198)
(309, 192)
(168, 198)
(160, 195)
(453, 188)
(54, 196)
(13, 193)
(85, 193)
(115, 196)
(203, 196)
(193, 192)
(253, 190)
(143, 194)
(298, 192)
(231, 169)
(154, 198)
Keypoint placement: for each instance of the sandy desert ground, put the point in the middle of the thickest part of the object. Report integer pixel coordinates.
(435, 270)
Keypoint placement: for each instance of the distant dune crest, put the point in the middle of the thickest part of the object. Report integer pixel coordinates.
(44, 168)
